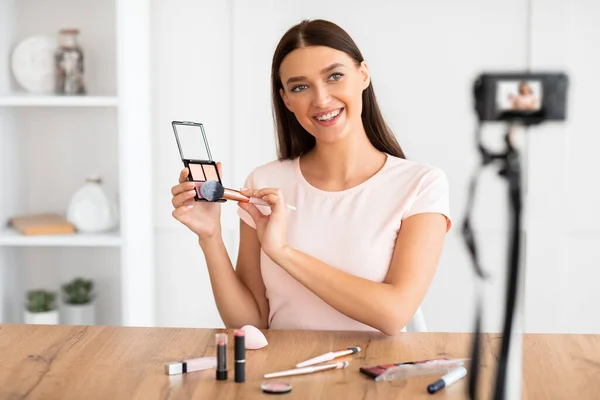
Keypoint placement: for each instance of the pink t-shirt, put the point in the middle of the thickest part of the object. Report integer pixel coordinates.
(353, 230)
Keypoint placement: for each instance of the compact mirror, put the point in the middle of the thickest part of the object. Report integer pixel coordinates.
(195, 154)
(191, 140)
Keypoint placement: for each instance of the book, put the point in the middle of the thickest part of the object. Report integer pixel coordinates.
(42, 224)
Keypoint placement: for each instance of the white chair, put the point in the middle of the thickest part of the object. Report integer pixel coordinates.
(417, 323)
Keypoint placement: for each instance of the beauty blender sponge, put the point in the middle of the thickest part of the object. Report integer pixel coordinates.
(254, 337)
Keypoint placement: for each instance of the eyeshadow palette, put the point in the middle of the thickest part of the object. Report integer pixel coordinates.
(195, 154)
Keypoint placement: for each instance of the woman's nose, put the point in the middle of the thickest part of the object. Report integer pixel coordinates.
(321, 97)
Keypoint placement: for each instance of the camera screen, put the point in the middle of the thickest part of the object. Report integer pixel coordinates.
(519, 96)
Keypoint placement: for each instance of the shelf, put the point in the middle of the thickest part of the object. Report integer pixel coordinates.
(33, 100)
(74, 136)
(9, 237)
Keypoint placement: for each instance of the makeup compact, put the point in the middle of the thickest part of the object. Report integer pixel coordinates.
(195, 154)
(276, 387)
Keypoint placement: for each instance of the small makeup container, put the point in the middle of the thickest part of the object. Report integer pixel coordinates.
(240, 356)
(221, 342)
(276, 387)
(195, 154)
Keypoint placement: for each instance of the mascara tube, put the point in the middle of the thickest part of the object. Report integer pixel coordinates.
(240, 356)
(221, 339)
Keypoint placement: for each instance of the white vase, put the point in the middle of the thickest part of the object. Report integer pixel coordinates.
(78, 314)
(90, 209)
(42, 318)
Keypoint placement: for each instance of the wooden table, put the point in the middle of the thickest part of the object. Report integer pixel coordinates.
(74, 362)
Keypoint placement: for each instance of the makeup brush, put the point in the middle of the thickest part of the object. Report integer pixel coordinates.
(308, 370)
(213, 191)
(329, 356)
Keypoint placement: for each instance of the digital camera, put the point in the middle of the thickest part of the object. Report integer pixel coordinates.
(525, 98)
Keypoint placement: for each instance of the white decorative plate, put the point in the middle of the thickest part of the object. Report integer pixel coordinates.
(33, 64)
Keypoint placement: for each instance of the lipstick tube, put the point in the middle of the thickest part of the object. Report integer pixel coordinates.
(240, 356)
(221, 341)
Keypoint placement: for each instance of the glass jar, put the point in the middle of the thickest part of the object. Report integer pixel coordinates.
(69, 63)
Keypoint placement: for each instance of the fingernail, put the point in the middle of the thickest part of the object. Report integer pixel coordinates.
(190, 206)
(242, 189)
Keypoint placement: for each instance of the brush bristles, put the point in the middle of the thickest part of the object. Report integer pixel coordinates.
(212, 190)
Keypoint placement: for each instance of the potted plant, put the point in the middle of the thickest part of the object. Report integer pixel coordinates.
(41, 307)
(79, 307)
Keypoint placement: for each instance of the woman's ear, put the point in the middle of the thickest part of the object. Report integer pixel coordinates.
(364, 73)
(285, 100)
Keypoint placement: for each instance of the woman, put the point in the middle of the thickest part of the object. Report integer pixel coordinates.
(360, 251)
(525, 100)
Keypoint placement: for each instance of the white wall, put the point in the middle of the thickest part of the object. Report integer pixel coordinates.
(211, 63)
(192, 74)
(564, 218)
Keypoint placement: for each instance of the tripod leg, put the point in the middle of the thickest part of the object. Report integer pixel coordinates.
(512, 172)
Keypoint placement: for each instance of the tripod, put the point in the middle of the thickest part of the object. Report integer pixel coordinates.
(510, 169)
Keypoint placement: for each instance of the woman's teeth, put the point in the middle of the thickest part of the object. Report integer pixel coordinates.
(330, 116)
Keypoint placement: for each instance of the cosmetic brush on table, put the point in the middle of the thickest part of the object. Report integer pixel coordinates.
(328, 356)
(308, 370)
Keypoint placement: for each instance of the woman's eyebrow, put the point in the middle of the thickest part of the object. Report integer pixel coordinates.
(332, 66)
(323, 71)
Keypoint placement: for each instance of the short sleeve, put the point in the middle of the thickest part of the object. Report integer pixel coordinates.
(432, 197)
(248, 183)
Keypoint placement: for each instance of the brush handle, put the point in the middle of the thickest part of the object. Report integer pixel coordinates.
(236, 195)
(308, 370)
(261, 202)
(316, 360)
(328, 356)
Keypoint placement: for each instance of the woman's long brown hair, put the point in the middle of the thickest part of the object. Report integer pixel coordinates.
(292, 139)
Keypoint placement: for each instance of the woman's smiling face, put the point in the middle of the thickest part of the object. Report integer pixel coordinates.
(323, 88)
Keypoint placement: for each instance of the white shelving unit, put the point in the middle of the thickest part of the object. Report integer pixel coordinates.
(10, 238)
(50, 143)
(32, 100)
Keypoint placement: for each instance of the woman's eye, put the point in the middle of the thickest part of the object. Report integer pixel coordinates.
(298, 88)
(336, 76)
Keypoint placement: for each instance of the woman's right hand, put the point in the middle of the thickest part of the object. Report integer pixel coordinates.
(201, 217)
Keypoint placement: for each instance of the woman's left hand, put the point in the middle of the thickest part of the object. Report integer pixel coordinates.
(271, 229)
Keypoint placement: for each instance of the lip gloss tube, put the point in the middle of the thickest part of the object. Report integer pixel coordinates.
(190, 365)
(240, 356)
(221, 339)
